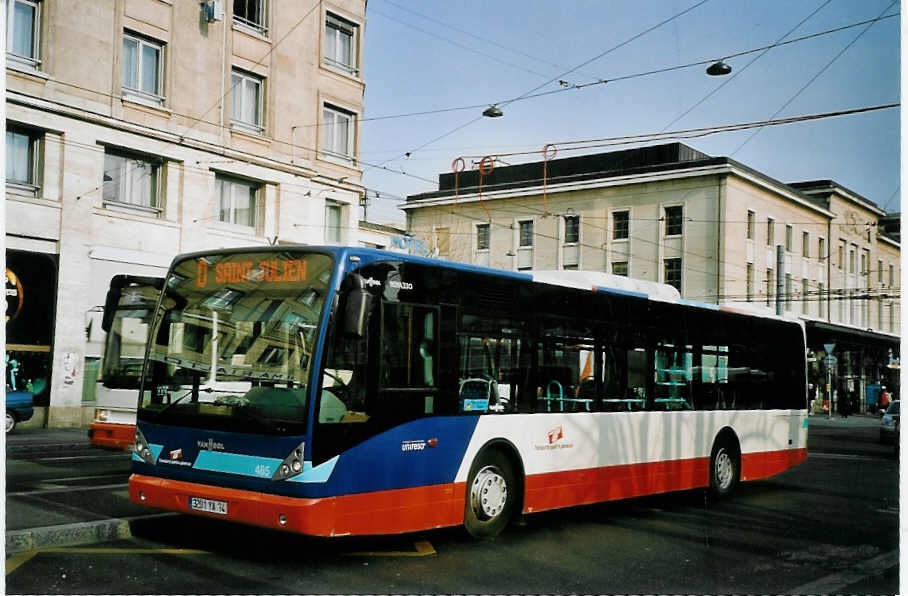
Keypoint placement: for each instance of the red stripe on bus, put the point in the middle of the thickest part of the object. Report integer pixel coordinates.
(116, 436)
(763, 465)
(594, 485)
(385, 512)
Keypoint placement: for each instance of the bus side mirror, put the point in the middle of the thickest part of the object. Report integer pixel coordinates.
(357, 304)
(110, 306)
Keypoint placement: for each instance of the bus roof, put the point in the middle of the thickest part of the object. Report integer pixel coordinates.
(594, 281)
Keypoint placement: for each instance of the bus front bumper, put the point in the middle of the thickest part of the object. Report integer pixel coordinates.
(384, 512)
(306, 516)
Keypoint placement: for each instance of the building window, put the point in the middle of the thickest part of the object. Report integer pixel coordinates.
(891, 309)
(143, 69)
(891, 275)
(620, 268)
(341, 44)
(769, 287)
(526, 233)
(788, 291)
(821, 248)
(789, 238)
(337, 132)
(571, 229)
(23, 33)
(852, 261)
(750, 282)
(805, 244)
(131, 180)
(22, 158)
(864, 260)
(770, 231)
(246, 101)
(482, 236)
(238, 201)
(621, 222)
(570, 252)
(751, 218)
(333, 227)
(841, 256)
(251, 14)
(525, 242)
(879, 271)
(673, 272)
(674, 220)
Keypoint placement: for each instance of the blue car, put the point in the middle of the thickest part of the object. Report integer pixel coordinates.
(18, 408)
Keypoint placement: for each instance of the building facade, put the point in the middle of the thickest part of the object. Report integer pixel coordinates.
(717, 230)
(140, 129)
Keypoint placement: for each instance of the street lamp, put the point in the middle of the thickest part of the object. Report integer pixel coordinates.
(493, 111)
(718, 69)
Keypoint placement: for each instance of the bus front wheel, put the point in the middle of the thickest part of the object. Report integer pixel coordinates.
(491, 494)
(724, 468)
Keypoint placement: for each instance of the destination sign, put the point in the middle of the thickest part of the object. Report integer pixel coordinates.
(271, 271)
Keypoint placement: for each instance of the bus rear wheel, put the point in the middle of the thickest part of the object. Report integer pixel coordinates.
(724, 468)
(491, 494)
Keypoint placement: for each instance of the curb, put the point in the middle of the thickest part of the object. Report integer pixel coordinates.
(92, 532)
(43, 447)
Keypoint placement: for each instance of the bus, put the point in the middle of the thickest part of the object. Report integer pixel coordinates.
(127, 310)
(347, 391)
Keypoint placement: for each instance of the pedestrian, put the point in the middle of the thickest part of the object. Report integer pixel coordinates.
(844, 405)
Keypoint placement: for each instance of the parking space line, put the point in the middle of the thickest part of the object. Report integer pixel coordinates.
(14, 561)
(423, 549)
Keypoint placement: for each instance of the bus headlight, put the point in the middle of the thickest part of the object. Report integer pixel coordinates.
(292, 464)
(140, 448)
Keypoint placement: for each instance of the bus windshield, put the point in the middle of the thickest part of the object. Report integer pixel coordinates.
(233, 341)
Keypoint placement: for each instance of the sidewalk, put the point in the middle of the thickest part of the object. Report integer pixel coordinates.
(853, 420)
(67, 512)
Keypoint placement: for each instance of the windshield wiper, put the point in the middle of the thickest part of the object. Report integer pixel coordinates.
(187, 394)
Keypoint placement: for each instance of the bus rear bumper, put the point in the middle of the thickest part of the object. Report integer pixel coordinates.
(385, 512)
(113, 436)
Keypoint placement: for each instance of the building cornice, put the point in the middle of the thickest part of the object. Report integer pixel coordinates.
(886, 239)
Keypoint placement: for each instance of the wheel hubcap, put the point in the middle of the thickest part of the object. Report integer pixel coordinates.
(489, 493)
(724, 469)
(10, 422)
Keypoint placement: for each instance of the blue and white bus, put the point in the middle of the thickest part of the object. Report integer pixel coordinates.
(334, 391)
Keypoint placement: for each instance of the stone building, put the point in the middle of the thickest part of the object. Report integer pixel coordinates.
(710, 226)
(139, 129)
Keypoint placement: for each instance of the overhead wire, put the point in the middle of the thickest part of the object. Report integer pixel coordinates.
(817, 75)
(559, 77)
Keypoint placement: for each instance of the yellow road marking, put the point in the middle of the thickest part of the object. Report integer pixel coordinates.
(423, 549)
(15, 560)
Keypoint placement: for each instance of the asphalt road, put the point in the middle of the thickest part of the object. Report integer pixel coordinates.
(829, 525)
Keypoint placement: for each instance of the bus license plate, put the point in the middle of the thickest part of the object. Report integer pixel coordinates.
(208, 505)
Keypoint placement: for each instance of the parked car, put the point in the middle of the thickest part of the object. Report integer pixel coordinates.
(889, 423)
(18, 408)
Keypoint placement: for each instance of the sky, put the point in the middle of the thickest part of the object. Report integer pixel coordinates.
(431, 55)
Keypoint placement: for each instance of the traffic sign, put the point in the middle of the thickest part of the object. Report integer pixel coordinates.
(830, 361)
